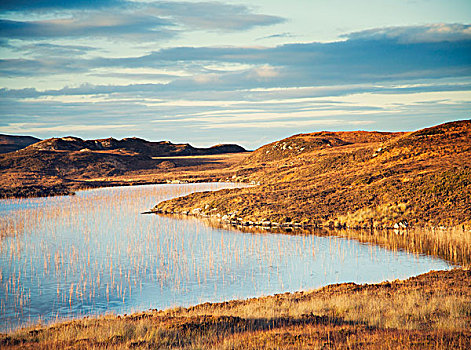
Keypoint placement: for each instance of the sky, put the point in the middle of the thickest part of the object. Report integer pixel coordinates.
(231, 71)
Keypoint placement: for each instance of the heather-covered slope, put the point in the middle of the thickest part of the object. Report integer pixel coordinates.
(354, 179)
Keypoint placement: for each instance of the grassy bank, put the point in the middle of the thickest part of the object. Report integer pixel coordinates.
(430, 311)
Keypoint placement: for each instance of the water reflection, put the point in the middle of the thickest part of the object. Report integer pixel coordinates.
(449, 243)
(93, 253)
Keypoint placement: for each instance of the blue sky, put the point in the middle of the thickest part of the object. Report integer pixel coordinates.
(246, 72)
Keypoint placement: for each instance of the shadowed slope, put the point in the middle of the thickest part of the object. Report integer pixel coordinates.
(11, 143)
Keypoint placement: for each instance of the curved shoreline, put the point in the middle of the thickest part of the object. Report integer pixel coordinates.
(449, 243)
(336, 316)
(195, 326)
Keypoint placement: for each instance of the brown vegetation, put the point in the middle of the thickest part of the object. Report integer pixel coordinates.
(332, 179)
(450, 244)
(430, 311)
(350, 179)
(11, 143)
(61, 165)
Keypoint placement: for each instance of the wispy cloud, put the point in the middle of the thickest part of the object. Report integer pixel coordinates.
(431, 33)
(92, 24)
(28, 5)
(277, 36)
(350, 61)
(153, 21)
(34, 128)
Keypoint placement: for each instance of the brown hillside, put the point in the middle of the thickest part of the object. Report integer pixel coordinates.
(11, 143)
(60, 165)
(357, 179)
(305, 143)
(134, 144)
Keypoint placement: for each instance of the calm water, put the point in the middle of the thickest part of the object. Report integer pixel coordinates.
(94, 253)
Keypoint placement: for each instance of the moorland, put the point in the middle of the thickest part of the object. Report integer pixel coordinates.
(349, 179)
(60, 166)
(402, 190)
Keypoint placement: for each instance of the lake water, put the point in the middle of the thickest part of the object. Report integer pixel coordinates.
(94, 253)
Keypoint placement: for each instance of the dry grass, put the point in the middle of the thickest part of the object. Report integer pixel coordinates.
(451, 244)
(431, 311)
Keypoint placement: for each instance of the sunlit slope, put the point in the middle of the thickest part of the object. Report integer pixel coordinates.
(355, 179)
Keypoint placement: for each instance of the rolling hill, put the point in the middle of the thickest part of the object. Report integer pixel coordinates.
(59, 165)
(12, 143)
(349, 179)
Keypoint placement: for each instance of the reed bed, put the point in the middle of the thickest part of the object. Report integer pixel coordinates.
(452, 244)
(92, 253)
(431, 311)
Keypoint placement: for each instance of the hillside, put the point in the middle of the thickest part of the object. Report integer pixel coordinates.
(134, 144)
(11, 143)
(60, 165)
(349, 179)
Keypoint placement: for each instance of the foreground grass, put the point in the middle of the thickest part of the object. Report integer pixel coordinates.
(430, 311)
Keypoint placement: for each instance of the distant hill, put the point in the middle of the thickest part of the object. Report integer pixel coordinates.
(350, 179)
(11, 143)
(134, 144)
(57, 165)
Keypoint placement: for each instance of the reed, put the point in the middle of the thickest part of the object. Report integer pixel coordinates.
(452, 244)
(431, 311)
(90, 265)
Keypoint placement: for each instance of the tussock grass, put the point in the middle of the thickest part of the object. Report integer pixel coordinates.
(430, 311)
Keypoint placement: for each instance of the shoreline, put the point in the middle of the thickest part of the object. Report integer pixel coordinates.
(189, 327)
(449, 243)
(39, 191)
(312, 314)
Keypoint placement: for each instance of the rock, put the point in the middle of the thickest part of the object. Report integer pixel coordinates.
(403, 224)
(196, 211)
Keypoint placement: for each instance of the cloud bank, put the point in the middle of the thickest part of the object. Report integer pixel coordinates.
(58, 78)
